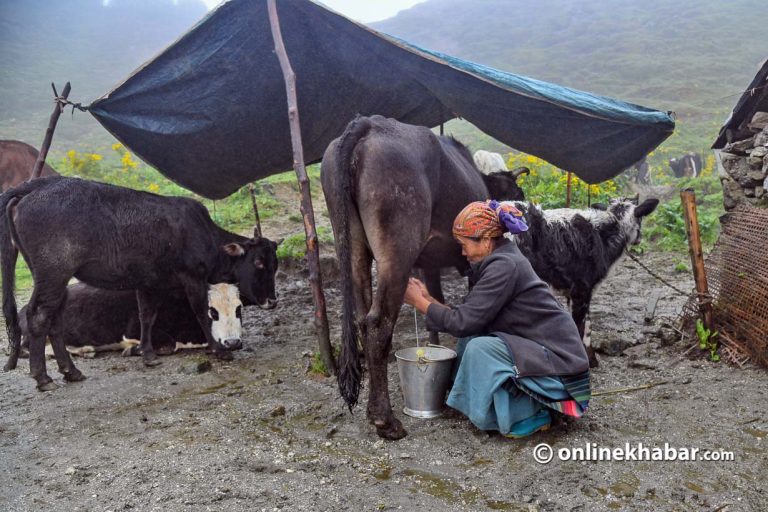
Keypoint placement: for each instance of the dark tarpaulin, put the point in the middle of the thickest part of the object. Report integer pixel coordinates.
(210, 111)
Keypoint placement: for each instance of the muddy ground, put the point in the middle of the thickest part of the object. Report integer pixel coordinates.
(260, 433)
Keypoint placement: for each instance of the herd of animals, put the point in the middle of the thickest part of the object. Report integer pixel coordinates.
(159, 270)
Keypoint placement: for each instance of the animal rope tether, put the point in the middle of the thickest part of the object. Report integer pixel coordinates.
(652, 273)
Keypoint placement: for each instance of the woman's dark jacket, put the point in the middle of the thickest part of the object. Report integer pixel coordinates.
(509, 300)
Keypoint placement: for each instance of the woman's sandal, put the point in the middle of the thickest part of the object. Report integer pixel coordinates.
(539, 422)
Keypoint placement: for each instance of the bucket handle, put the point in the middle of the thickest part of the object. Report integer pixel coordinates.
(421, 363)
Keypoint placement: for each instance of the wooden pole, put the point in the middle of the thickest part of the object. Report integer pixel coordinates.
(688, 198)
(57, 110)
(313, 250)
(568, 191)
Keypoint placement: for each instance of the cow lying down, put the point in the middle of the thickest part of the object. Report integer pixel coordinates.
(97, 320)
(574, 250)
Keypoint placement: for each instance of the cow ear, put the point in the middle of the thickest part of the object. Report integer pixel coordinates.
(646, 208)
(234, 249)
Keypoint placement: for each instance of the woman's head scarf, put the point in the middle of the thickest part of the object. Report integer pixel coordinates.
(488, 219)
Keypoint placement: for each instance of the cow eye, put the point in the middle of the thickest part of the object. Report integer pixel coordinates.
(259, 264)
(213, 314)
(239, 312)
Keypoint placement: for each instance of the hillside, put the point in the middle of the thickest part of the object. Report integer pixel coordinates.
(91, 45)
(689, 56)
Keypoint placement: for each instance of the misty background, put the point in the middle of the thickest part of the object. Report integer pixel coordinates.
(690, 56)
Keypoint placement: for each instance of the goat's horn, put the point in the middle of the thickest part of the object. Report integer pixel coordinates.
(520, 170)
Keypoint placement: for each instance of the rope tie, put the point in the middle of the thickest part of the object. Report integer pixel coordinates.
(652, 273)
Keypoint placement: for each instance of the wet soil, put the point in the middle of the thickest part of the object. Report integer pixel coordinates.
(263, 433)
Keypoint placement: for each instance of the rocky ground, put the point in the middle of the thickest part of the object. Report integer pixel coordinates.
(263, 433)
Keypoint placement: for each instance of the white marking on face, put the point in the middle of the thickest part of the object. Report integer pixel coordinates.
(224, 309)
(629, 224)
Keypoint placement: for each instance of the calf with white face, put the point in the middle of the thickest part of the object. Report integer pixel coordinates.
(226, 313)
(96, 320)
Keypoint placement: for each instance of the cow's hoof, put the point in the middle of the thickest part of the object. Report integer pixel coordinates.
(593, 362)
(224, 356)
(74, 376)
(47, 386)
(13, 359)
(393, 430)
(152, 361)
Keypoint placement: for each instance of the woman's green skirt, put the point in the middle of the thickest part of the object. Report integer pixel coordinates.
(488, 390)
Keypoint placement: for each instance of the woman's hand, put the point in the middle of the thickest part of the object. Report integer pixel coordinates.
(416, 295)
(415, 292)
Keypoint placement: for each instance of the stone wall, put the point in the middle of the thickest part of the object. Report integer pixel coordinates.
(743, 167)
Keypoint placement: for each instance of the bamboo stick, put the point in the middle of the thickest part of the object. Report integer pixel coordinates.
(313, 250)
(688, 198)
(57, 110)
(626, 390)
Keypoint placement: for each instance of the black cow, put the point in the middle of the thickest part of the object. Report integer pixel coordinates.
(642, 175)
(392, 191)
(687, 166)
(17, 160)
(573, 250)
(96, 320)
(120, 239)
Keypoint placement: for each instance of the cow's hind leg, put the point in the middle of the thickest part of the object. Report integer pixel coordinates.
(580, 312)
(147, 302)
(43, 306)
(380, 323)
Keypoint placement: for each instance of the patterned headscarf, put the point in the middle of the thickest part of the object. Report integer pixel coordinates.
(488, 219)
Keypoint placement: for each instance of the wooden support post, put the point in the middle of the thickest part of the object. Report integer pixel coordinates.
(57, 110)
(568, 191)
(313, 250)
(688, 198)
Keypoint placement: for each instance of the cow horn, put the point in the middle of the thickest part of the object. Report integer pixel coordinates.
(520, 170)
(257, 228)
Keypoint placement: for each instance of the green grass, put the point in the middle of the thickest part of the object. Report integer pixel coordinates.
(665, 228)
(295, 245)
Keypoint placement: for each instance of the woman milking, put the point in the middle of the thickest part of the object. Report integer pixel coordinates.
(520, 356)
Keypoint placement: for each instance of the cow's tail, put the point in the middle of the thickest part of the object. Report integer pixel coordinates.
(8, 256)
(350, 371)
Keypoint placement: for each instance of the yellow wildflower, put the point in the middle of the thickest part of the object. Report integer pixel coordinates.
(154, 187)
(96, 157)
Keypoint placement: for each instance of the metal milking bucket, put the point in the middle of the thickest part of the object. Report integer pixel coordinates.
(425, 374)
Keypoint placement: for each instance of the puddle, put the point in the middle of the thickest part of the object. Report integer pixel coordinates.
(760, 434)
(626, 486)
